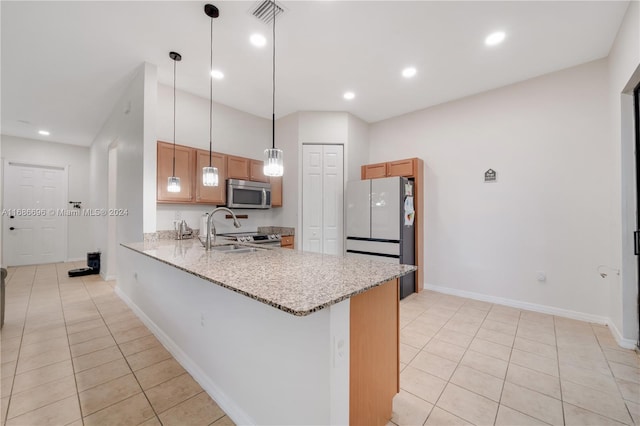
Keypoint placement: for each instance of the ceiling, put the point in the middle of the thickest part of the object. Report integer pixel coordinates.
(65, 64)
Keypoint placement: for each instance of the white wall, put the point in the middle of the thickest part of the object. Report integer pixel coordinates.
(76, 158)
(549, 141)
(234, 132)
(624, 75)
(125, 128)
(357, 152)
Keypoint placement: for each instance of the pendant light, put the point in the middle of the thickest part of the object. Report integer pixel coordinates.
(273, 157)
(210, 173)
(174, 181)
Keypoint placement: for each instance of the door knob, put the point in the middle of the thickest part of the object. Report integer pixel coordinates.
(12, 228)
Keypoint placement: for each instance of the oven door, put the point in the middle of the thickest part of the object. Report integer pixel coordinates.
(248, 195)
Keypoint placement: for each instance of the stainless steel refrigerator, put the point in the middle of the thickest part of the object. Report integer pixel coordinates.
(376, 224)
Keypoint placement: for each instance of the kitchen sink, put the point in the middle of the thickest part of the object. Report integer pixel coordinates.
(235, 249)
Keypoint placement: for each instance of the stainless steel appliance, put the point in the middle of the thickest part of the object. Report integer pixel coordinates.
(244, 194)
(254, 238)
(376, 225)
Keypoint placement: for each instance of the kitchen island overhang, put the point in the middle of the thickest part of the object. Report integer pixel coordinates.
(278, 347)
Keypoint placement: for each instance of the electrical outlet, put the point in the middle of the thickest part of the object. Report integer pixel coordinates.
(541, 276)
(178, 215)
(202, 319)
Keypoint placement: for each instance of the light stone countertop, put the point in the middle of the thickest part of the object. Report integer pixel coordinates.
(296, 282)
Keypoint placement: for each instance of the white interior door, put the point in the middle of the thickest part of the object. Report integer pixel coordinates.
(312, 198)
(322, 199)
(333, 200)
(34, 224)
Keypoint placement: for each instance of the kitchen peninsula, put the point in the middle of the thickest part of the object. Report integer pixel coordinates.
(275, 336)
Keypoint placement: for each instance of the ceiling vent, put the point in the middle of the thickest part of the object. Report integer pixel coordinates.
(263, 10)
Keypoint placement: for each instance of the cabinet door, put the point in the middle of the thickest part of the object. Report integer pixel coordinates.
(287, 242)
(211, 194)
(401, 167)
(374, 171)
(237, 167)
(184, 170)
(276, 191)
(257, 171)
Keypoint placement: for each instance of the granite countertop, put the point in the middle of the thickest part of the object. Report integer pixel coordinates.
(296, 282)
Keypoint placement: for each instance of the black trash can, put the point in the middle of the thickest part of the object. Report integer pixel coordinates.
(3, 275)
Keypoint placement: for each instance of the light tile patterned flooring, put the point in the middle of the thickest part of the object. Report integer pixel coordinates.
(73, 353)
(469, 362)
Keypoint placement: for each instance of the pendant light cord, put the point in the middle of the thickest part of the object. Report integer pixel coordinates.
(173, 173)
(273, 106)
(211, 96)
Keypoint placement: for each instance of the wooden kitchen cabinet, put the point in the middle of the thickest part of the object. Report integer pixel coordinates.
(401, 167)
(406, 168)
(211, 194)
(189, 164)
(374, 171)
(237, 167)
(287, 241)
(276, 191)
(256, 171)
(184, 170)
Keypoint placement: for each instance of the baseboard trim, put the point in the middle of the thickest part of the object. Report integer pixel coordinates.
(551, 310)
(75, 259)
(625, 343)
(228, 406)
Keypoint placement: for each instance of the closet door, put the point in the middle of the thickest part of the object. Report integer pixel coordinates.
(322, 199)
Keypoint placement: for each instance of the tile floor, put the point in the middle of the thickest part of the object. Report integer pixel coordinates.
(469, 362)
(73, 353)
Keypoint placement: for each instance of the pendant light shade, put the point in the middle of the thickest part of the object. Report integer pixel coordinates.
(273, 162)
(173, 184)
(273, 158)
(210, 173)
(210, 176)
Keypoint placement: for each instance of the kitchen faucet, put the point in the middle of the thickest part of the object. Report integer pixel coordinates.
(207, 243)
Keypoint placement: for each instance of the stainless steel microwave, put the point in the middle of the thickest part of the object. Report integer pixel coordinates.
(244, 194)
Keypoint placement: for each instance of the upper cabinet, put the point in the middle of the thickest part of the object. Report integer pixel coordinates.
(406, 167)
(374, 171)
(276, 191)
(256, 171)
(189, 164)
(402, 167)
(211, 194)
(237, 167)
(184, 170)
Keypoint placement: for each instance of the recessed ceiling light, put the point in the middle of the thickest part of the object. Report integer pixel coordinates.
(44, 132)
(217, 74)
(349, 95)
(409, 72)
(494, 38)
(258, 40)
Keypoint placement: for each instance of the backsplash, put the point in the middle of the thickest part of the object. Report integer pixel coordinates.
(168, 213)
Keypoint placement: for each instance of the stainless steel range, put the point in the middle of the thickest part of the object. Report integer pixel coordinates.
(254, 238)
